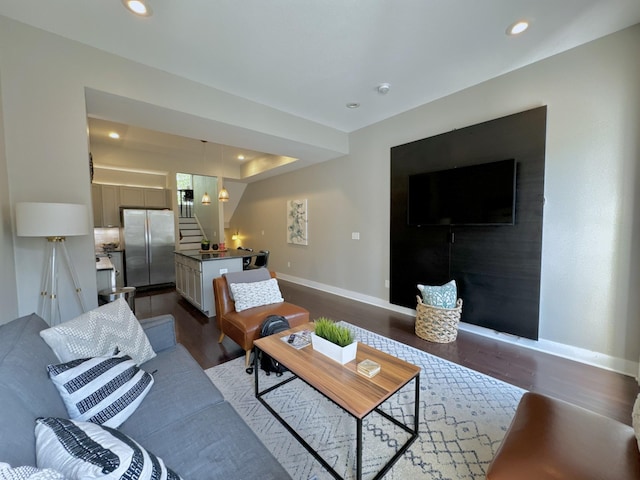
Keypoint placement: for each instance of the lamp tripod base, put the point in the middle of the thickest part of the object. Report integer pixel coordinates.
(49, 305)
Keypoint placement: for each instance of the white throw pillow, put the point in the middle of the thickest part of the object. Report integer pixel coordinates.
(103, 390)
(256, 294)
(86, 450)
(28, 472)
(635, 419)
(99, 333)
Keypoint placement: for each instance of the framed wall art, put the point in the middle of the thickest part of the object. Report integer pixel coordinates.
(297, 219)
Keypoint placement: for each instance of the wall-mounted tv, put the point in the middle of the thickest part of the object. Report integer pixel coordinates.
(482, 194)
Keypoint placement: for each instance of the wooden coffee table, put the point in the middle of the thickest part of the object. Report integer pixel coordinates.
(356, 394)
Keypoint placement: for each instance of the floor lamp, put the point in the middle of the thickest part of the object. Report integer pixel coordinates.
(55, 222)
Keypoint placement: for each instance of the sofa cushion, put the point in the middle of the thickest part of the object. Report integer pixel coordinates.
(28, 472)
(86, 450)
(180, 388)
(24, 356)
(98, 333)
(102, 390)
(230, 450)
(256, 294)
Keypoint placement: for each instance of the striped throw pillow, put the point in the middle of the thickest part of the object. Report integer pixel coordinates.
(102, 390)
(86, 450)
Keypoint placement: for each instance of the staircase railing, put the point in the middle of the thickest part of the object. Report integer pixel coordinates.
(185, 203)
(204, 235)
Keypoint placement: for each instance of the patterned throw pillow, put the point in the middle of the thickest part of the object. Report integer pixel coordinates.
(443, 296)
(635, 419)
(256, 294)
(27, 472)
(100, 332)
(86, 450)
(103, 390)
(247, 276)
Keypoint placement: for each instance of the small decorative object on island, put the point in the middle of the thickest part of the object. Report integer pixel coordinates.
(333, 340)
(204, 244)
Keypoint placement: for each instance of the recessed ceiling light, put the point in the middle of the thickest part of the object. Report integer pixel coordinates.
(353, 105)
(114, 135)
(240, 157)
(139, 7)
(518, 27)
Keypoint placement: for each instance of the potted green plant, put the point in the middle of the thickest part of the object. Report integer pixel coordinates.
(204, 244)
(335, 341)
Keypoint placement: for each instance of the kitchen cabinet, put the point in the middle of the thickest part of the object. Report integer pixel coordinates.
(144, 197)
(107, 200)
(155, 198)
(106, 205)
(195, 274)
(189, 280)
(132, 197)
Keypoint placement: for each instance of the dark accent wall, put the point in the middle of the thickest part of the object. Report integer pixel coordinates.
(496, 268)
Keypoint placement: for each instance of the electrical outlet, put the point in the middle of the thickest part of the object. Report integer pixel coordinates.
(289, 264)
(223, 271)
(263, 233)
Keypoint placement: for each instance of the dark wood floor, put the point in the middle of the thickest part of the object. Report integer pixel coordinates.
(596, 389)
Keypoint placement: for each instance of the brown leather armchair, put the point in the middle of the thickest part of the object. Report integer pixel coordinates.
(554, 440)
(244, 327)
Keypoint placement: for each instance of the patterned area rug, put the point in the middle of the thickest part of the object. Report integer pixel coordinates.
(463, 418)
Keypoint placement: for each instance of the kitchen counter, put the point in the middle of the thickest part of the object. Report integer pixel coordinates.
(105, 273)
(216, 254)
(104, 263)
(195, 272)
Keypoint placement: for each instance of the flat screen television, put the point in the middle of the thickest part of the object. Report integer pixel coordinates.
(482, 194)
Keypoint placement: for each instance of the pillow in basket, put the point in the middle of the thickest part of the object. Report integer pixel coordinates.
(442, 296)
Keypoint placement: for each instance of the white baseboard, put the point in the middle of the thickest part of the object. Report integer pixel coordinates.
(608, 362)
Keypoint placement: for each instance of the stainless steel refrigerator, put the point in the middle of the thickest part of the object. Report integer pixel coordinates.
(149, 243)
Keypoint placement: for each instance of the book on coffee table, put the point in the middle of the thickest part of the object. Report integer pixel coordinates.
(299, 340)
(368, 368)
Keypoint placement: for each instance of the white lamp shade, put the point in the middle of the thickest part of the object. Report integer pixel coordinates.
(51, 219)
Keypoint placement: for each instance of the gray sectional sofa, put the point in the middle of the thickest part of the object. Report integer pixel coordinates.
(184, 419)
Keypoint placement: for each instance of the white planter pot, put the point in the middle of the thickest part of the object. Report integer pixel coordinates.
(341, 355)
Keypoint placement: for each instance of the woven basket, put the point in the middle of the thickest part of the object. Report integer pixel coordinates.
(435, 324)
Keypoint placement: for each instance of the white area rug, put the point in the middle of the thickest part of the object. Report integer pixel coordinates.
(463, 418)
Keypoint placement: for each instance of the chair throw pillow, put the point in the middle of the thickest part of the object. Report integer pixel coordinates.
(99, 333)
(443, 296)
(247, 276)
(103, 390)
(86, 450)
(28, 472)
(256, 294)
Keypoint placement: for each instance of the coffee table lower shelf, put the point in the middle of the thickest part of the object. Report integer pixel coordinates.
(412, 431)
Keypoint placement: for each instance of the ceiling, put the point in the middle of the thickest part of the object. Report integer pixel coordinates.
(311, 58)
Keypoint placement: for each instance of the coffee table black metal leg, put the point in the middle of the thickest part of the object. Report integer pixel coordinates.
(358, 448)
(255, 369)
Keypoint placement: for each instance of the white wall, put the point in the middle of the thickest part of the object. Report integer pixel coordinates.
(8, 291)
(44, 80)
(591, 240)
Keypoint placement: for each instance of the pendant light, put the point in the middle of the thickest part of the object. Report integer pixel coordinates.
(206, 199)
(223, 196)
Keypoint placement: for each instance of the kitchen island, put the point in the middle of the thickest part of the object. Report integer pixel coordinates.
(195, 272)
